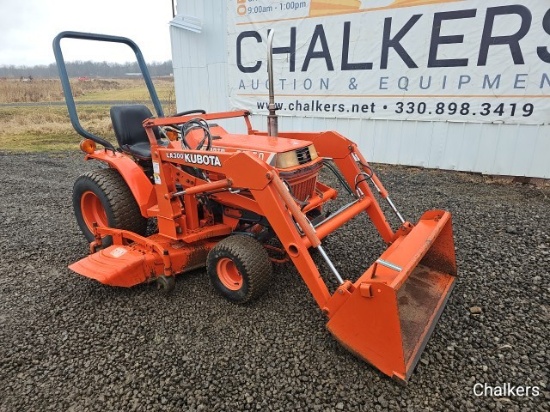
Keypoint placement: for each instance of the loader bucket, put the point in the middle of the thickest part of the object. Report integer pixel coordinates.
(387, 316)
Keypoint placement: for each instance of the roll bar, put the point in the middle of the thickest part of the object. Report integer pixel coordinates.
(67, 91)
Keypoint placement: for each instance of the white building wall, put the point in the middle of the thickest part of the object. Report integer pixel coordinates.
(200, 73)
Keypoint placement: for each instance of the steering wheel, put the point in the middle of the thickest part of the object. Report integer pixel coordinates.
(175, 128)
(189, 112)
(196, 123)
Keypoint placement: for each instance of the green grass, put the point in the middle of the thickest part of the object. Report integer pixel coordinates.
(48, 128)
(139, 93)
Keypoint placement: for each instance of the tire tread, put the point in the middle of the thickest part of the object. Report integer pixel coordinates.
(254, 259)
(125, 210)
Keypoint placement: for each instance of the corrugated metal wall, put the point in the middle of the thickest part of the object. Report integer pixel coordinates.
(200, 63)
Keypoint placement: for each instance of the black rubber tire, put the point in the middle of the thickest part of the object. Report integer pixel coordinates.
(252, 262)
(116, 198)
(166, 284)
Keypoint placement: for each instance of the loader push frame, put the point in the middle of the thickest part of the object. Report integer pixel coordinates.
(222, 199)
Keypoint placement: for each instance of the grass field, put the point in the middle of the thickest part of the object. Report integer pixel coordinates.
(46, 127)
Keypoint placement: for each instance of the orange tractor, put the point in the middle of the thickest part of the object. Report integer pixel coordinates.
(236, 203)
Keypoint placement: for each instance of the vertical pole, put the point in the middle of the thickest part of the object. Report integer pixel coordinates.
(272, 121)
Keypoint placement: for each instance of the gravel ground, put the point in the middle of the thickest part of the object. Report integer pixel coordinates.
(70, 344)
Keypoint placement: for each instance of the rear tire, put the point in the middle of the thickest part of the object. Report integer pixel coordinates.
(239, 268)
(103, 197)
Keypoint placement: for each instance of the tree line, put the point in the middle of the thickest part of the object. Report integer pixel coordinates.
(86, 69)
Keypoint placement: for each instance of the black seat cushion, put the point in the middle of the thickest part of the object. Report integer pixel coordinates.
(141, 150)
(129, 131)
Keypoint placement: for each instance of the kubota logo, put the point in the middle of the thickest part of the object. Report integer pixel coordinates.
(198, 159)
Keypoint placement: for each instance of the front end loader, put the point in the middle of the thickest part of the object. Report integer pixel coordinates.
(237, 203)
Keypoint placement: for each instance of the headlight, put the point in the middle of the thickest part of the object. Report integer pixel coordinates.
(296, 157)
(287, 159)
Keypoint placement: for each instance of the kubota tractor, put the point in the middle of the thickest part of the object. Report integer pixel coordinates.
(229, 202)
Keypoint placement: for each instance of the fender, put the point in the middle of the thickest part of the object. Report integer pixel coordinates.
(137, 181)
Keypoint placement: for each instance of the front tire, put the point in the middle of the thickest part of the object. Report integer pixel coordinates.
(239, 268)
(103, 197)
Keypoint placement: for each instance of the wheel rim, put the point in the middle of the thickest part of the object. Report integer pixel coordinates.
(92, 210)
(228, 274)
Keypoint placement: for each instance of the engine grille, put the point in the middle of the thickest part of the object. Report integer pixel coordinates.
(303, 155)
(302, 181)
(303, 189)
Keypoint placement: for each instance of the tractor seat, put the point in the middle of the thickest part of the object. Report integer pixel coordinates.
(129, 131)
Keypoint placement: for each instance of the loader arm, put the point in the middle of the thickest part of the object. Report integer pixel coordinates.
(344, 153)
(272, 200)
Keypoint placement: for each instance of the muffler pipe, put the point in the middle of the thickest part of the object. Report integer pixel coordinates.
(272, 120)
